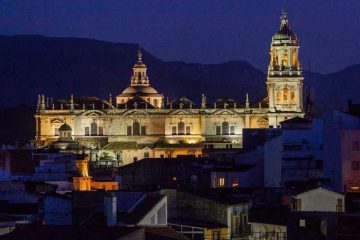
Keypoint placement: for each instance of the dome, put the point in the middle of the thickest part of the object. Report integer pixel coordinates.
(139, 65)
(285, 34)
(65, 127)
(140, 90)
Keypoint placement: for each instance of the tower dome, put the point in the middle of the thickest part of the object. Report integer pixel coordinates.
(140, 86)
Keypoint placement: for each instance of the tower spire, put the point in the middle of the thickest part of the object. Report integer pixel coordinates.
(139, 76)
(139, 54)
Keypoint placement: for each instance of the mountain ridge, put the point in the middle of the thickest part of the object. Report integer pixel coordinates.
(60, 66)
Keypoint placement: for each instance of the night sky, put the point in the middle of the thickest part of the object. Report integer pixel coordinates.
(206, 31)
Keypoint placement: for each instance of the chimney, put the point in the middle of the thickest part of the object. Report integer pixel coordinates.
(110, 208)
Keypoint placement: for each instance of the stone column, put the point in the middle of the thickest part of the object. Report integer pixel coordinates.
(247, 121)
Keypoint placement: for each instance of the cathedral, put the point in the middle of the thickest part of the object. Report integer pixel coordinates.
(139, 123)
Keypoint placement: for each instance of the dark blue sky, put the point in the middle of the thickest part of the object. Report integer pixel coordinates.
(206, 31)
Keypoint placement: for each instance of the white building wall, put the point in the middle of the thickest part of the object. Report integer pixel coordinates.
(157, 216)
(321, 200)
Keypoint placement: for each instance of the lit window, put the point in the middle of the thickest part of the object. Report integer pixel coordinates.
(221, 182)
(174, 178)
(278, 96)
(293, 57)
(146, 154)
(285, 61)
(155, 102)
(285, 94)
(235, 183)
(292, 97)
(302, 223)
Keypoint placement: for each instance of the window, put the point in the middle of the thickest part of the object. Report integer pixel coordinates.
(173, 130)
(339, 206)
(292, 97)
(187, 130)
(355, 146)
(221, 182)
(225, 128)
(136, 128)
(293, 54)
(155, 102)
(232, 130)
(278, 96)
(146, 154)
(218, 130)
(216, 235)
(285, 94)
(93, 128)
(355, 165)
(129, 130)
(87, 131)
(143, 130)
(302, 223)
(285, 61)
(297, 204)
(235, 183)
(56, 131)
(181, 128)
(101, 131)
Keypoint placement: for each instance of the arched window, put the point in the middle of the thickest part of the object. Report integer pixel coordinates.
(181, 128)
(155, 102)
(276, 58)
(93, 128)
(285, 60)
(225, 128)
(293, 54)
(285, 94)
(136, 128)
(278, 96)
(292, 97)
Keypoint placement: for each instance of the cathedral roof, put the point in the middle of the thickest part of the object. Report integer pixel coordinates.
(182, 103)
(139, 90)
(136, 103)
(79, 104)
(226, 102)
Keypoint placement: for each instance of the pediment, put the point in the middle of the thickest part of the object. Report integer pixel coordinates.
(224, 112)
(93, 113)
(136, 112)
(57, 120)
(179, 112)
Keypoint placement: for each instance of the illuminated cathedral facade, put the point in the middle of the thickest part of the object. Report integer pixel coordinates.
(139, 123)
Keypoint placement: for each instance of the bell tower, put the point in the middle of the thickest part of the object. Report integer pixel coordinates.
(285, 76)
